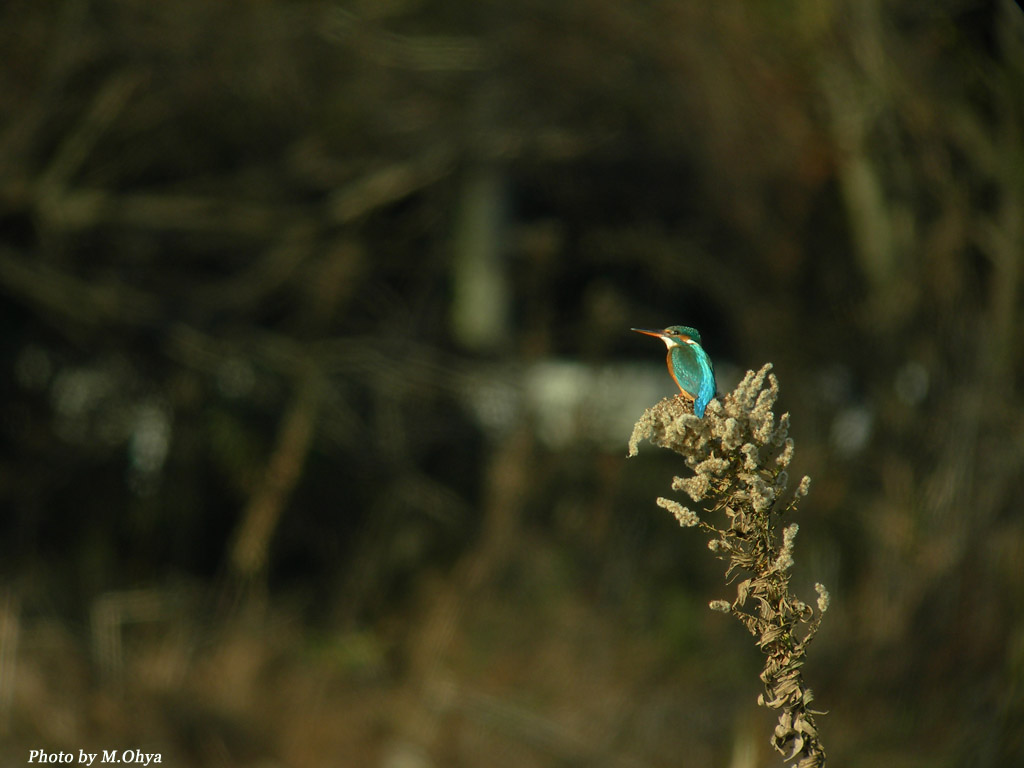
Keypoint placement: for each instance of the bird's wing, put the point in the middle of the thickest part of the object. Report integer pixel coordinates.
(685, 368)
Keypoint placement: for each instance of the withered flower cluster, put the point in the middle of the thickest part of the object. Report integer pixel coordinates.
(739, 455)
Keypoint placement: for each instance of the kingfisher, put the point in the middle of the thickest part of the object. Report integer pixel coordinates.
(688, 364)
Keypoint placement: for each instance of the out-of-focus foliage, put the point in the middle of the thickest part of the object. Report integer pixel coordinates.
(276, 273)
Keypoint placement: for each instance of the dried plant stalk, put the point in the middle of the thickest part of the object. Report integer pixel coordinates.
(739, 454)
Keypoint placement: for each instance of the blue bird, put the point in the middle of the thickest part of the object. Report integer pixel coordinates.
(688, 364)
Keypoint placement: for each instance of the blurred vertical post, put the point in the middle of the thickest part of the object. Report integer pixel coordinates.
(480, 323)
(480, 300)
(10, 629)
(1001, 235)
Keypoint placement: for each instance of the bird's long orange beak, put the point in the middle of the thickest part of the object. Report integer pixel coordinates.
(649, 332)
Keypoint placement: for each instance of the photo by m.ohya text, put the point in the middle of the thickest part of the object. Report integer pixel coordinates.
(103, 757)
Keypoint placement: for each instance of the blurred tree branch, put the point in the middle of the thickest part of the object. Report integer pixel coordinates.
(251, 541)
(76, 148)
(431, 53)
(75, 300)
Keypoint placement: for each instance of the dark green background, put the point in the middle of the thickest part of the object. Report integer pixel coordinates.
(273, 260)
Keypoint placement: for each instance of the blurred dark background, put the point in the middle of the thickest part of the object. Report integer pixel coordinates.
(317, 377)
